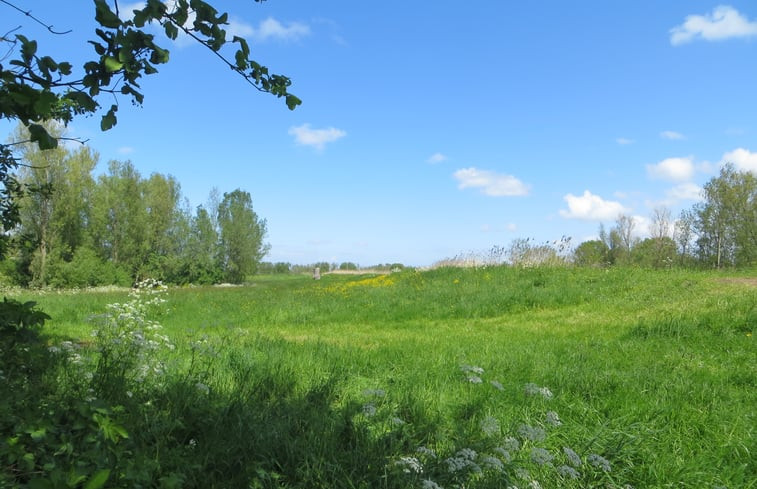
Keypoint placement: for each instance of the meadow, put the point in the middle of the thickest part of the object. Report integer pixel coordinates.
(492, 377)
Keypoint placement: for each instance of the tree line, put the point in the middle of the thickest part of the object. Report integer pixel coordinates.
(77, 229)
(719, 231)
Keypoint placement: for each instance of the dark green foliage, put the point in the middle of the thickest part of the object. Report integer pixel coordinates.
(20, 320)
(726, 221)
(86, 269)
(241, 236)
(593, 253)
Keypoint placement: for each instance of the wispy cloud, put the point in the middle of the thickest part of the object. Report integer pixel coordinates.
(624, 141)
(685, 191)
(125, 150)
(724, 22)
(742, 158)
(317, 138)
(672, 135)
(591, 207)
(672, 169)
(272, 29)
(490, 183)
(436, 158)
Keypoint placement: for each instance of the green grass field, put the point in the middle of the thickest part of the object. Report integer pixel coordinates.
(602, 378)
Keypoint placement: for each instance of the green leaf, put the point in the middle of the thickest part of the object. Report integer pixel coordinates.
(109, 119)
(39, 434)
(292, 101)
(171, 30)
(64, 68)
(105, 16)
(99, 48)
(28, 48)
(159, 56)
(98, 480)
(40, 136)
(140, 17)
(112, 64)
(44, 104)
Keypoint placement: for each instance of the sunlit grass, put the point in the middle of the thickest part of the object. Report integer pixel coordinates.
(653, 370)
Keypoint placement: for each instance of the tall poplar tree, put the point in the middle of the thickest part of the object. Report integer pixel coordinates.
(242, 234)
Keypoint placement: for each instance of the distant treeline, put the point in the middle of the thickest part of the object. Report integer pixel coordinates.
(78, 230)
(717, 232)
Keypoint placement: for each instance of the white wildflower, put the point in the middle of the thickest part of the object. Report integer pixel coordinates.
(374, 392)
(427, 452)
(492, 463)
(463, 460)
(490, 426)
(202, 388)
(534, 390)
(497, 385)
(533, 433)
(468, 369)
(369, 409)
(429, 484)
(572, 457)
(511, 444)
(599, 462)
(553, 419)
(504, 454)
(410, 465)
(568, 472)
(541, 456)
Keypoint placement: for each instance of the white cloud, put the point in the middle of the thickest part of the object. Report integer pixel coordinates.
(685, 191)
(490, 183)
(271, 28)
(436, 158)
(672, 135)
(624, 141)
(743, 159)
(126, 10)
(591, 207)
(238, 27)
(512, 227)
(723, 23)
(317, 138)
(125, 150)
(672, 169)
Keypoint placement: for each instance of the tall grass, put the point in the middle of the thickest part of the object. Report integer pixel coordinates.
(413, 379)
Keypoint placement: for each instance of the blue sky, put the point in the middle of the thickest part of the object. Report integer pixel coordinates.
(430, 129)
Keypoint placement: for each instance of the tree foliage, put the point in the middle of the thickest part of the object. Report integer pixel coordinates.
(121, 227)
(726, 220)
(242, 234)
